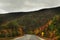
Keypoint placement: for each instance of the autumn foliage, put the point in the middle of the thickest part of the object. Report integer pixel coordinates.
(50, 30)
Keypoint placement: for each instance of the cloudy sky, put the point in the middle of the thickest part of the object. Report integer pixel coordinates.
(26, 5)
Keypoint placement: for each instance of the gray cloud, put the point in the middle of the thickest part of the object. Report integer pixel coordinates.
(26, 5)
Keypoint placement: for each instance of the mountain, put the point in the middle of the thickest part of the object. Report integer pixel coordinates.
(49, 12)
(19, 23)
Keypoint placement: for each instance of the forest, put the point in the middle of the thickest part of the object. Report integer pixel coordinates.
(44, 24)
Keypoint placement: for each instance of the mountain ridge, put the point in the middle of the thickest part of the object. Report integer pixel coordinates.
(15, 15)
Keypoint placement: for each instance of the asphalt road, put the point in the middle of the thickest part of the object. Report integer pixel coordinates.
(28, 37)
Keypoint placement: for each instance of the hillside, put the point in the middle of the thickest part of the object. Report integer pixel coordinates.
(35, 22)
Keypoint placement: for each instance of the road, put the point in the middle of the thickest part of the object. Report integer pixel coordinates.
(28, 37)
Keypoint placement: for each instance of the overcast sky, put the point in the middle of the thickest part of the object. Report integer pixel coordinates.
(26, 5)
